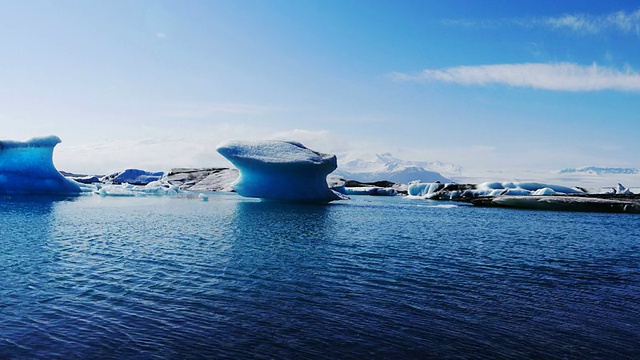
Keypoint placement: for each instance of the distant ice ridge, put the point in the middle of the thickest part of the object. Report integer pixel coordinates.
(454, 191)
(27, 168)
(371, 190)
(203, 179)
(281, 171)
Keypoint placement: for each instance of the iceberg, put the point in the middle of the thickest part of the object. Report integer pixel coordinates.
(281, 171)
(133, 177)
(27, 168)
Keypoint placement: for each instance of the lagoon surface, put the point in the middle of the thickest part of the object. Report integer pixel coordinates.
(167, 277)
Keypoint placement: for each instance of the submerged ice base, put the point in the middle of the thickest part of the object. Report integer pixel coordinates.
(281, 171)
(27, 168)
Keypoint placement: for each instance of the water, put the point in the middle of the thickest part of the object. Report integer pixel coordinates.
(370, 278)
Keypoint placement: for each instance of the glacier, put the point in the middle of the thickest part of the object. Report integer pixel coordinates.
(281, 171)
(27, 168)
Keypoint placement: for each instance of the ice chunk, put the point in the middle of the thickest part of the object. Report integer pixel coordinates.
(27, 168)
(543, 191)
(423, 189)
(620, 189)
(281, 171)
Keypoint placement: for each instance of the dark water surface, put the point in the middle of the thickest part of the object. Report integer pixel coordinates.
(369, 278)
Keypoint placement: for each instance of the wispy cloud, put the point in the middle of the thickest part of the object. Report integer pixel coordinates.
(557, 77)
(620, 21)
(628, 23)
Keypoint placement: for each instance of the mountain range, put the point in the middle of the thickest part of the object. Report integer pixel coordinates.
(596, 170)
(387, 167)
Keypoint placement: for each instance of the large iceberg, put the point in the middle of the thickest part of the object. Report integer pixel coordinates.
(281, 171)
(27, 168)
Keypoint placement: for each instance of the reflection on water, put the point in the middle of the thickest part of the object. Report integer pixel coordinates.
(369, 278)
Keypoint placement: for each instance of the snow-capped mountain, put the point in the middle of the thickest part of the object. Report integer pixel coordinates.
(387, 167)
(596, 170)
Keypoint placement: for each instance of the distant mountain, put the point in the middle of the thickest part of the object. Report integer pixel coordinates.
(595, 170)
(386, 167)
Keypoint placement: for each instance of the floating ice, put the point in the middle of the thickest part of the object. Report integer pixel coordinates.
(155, 188)
(27, 168)
(423, 189)
(454, 191)
(281, 171)
(530, 186)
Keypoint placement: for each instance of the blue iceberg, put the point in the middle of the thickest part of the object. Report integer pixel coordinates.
(27, 168)
(281, 171)
(134, 177)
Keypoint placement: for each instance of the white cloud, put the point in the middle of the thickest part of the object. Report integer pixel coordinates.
(620, 21)
(557, 77)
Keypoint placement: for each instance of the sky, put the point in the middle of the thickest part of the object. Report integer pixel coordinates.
(487, 85)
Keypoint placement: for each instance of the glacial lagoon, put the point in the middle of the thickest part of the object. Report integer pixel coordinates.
(373, 277)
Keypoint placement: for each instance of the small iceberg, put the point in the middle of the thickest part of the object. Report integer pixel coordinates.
(281, 171)
(27, 168)
(133, 177)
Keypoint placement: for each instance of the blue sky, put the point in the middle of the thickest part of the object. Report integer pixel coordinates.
(487, 85)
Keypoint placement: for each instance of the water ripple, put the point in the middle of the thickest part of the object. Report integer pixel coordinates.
(380, 278)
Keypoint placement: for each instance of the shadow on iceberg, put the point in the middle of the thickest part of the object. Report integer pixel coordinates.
(284, 171)
(27, 168)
